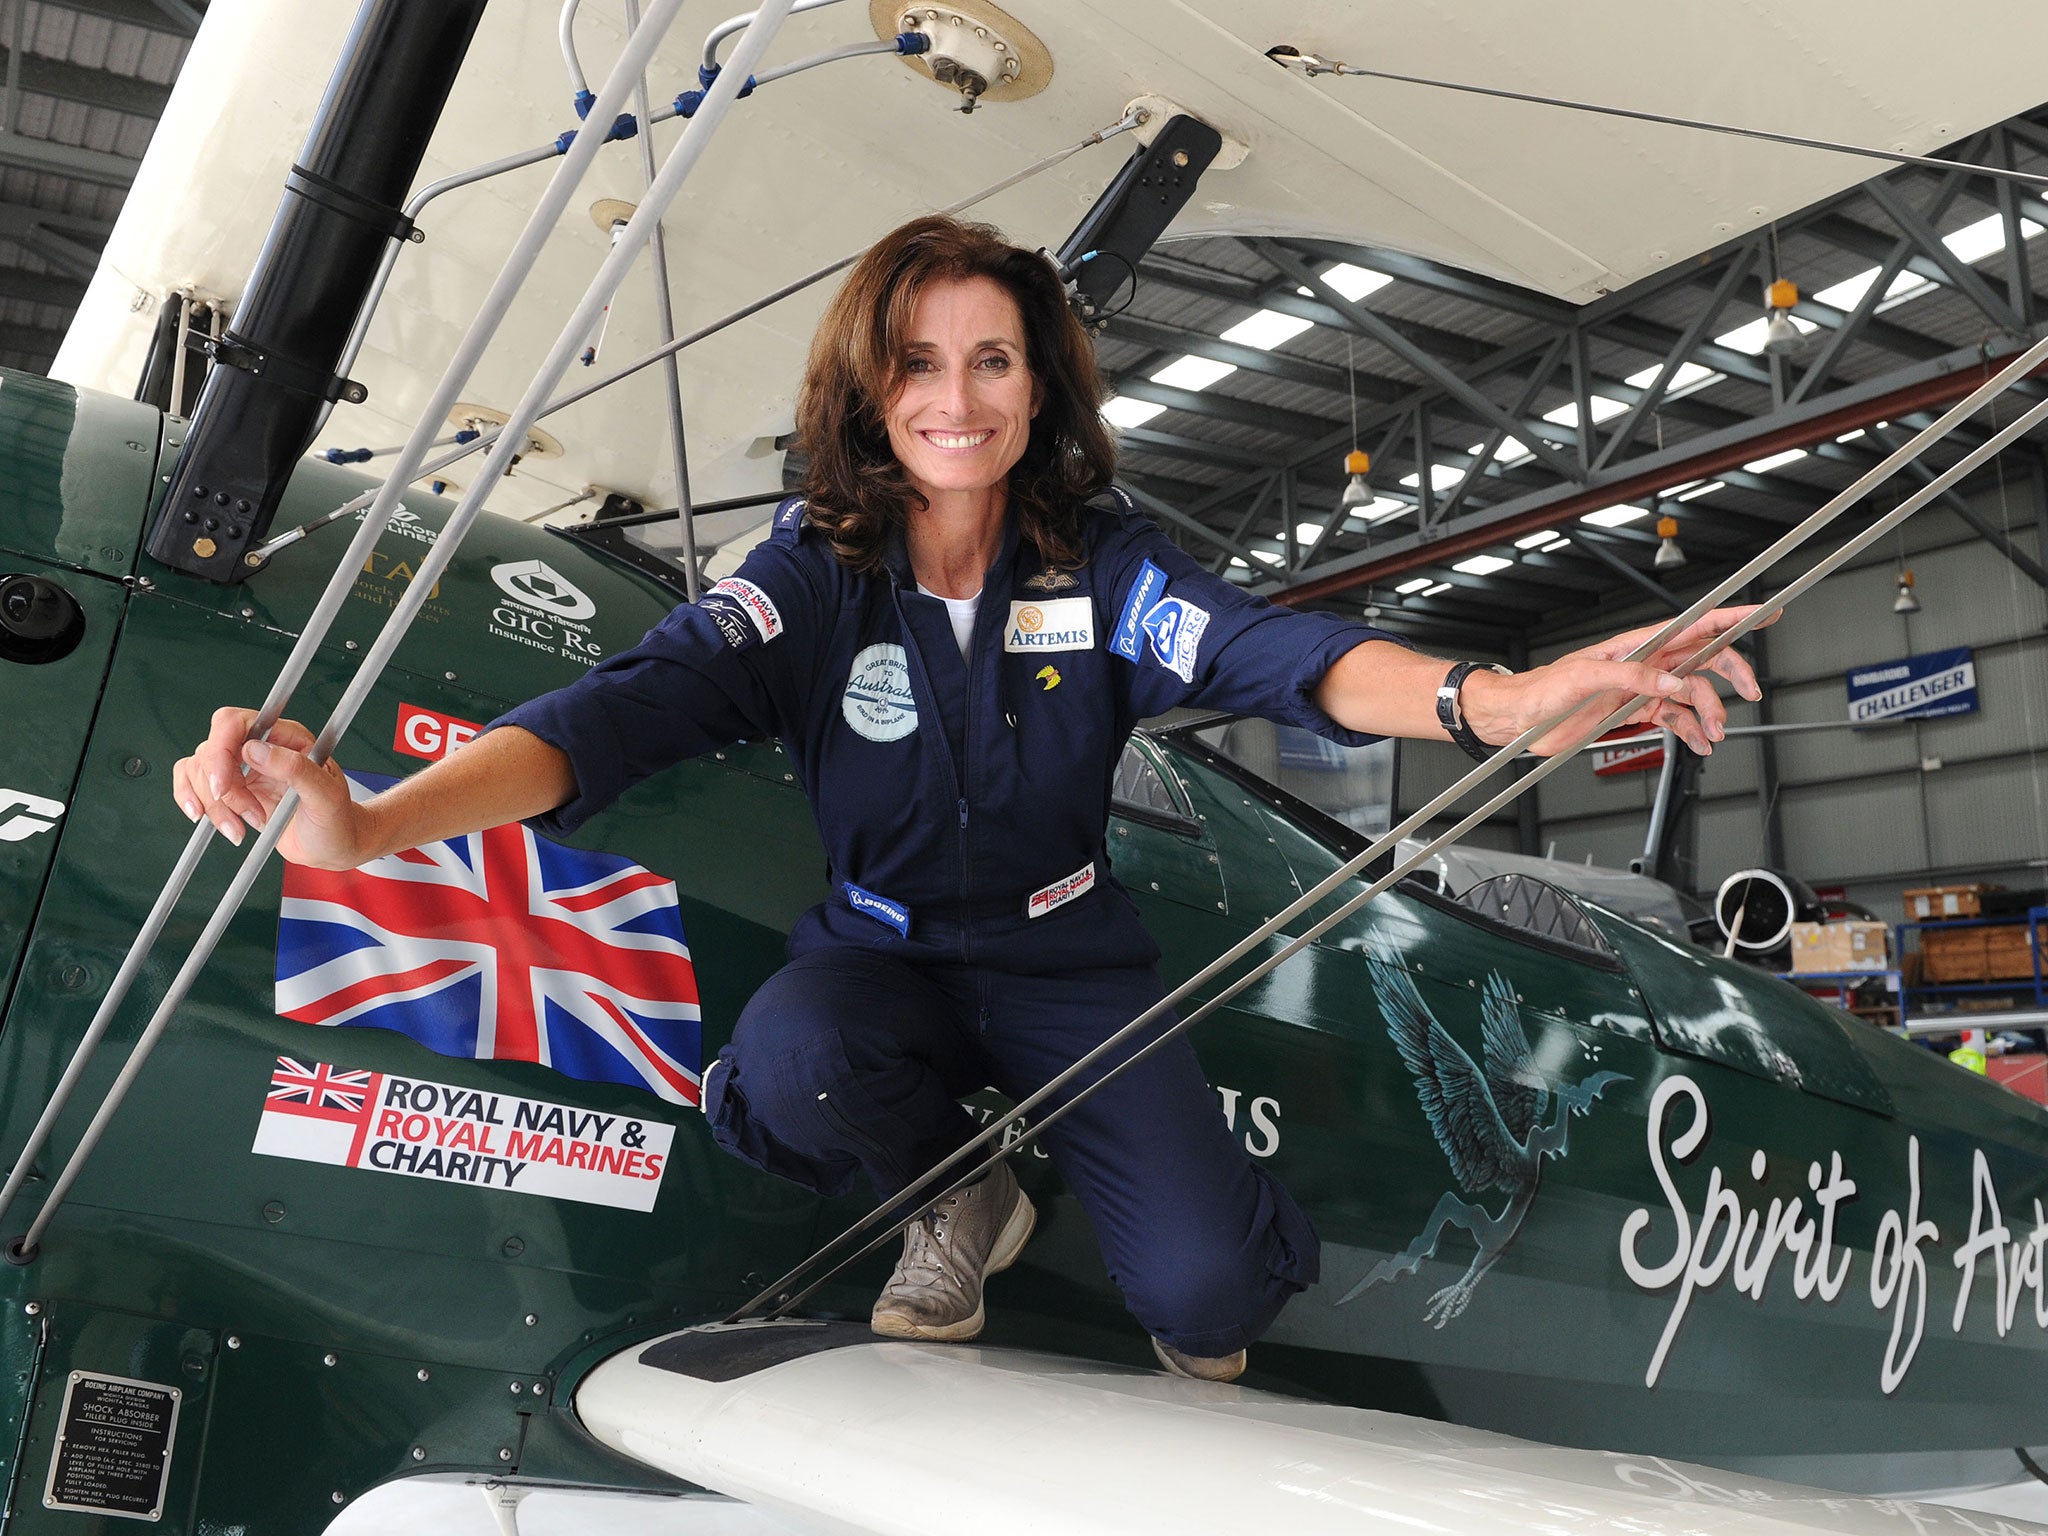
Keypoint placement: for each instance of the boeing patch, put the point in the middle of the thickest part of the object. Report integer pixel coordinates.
(892, 914)
(1061, 624)
(1145, 591)
(1060, 892)
(1174, 631)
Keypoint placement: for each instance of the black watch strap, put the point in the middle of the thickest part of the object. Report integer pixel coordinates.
(1450, 713)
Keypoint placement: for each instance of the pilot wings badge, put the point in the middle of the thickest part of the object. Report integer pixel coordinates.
(1051, 579)
(1490, 1123)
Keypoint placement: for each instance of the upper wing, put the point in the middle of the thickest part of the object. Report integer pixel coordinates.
(1453, 1091)
(1511, 1073)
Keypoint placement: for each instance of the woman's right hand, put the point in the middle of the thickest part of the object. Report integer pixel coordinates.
(330, 831)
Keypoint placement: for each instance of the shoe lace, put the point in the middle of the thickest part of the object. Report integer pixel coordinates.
(926, 1250)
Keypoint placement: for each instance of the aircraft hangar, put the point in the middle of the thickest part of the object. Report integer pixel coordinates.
(1488, 469)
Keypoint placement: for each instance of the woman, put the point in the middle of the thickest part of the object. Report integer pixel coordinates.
(952, 640)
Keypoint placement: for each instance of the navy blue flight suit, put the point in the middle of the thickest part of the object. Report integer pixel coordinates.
(976, 936)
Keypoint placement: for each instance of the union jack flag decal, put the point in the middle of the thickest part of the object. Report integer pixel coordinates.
(317, 1090)
(500, 946)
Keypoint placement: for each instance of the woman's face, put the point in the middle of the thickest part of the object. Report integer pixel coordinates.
(963, 415)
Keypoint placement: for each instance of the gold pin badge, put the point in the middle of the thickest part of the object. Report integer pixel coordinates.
(1050, 676)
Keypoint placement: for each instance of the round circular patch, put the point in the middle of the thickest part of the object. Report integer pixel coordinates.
(1031, 618)
(878, 702)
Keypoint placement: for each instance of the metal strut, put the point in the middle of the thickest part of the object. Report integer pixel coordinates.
(640, 46)
(784, 1299)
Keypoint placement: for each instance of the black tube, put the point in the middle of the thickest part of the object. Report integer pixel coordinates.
(274, 370)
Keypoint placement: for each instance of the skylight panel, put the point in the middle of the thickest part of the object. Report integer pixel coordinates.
(1604, 409)
(1123, 411)
(1379, 509)
(1414, 584)
(1560, 542)
(1686, 378)
(1483, 565)
(1266, 555)
(1750, 338)
(1193, 372)
(1354, 282)
(1239, 563)
(1703, 490)
(1531, 540)
(1442, 586)
(1973, 242)
(1267, 329)
(1775, 461)
(1306, 534)
(1850, 437)
(1442, 477)
(1848, 293)
(1614, 517)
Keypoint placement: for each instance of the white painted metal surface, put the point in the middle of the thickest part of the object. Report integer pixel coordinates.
(905, 1439)
(1564, 203)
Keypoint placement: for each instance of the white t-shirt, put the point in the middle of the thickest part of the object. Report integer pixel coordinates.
(961, 611)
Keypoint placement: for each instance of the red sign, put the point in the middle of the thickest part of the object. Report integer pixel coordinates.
(1635, 750)
(422, 733)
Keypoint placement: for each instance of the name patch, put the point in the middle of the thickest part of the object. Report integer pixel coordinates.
(757, 605)
(1145, 591)
(1061, 624)
(1060, 892)
(878, 703)
(892, 913)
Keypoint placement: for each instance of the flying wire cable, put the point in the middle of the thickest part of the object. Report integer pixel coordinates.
(1311, 65)
(784, 1299)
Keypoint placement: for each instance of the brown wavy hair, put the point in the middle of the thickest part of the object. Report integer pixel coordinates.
(856, 491)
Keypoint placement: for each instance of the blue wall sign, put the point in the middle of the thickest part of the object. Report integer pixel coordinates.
(1915, 688)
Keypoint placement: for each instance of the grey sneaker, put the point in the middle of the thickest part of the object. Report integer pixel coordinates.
(1199, 1367)
(947, 1253)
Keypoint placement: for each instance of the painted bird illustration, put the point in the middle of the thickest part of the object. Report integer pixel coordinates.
(1489, 1121)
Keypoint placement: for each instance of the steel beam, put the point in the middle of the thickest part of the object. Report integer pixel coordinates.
(136, 13)
(1596, 546)
(1997, 538)
(1230, 408)
(67, 160)
(1966, 278)
(1279, 365)
(94, 87)
(41, 287)
(1937, 384)
(1172, 514)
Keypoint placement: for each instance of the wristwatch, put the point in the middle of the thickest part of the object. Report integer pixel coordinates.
(1451, 715)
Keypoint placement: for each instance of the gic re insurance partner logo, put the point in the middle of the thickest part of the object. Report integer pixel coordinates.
(545, 611)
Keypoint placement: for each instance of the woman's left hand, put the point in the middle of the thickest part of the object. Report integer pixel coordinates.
(1592, 683)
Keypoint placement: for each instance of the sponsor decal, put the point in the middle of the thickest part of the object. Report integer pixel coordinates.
(1060, 892)
(891, 914)
(878, 702)
(384, 579)
(790, 517)
(406, 525)
(425, 733)
(1051, 579)
(545, 611)
(1738, 1238)
(1498, 1124)
(758, 607)
(1174, 629)
(539, 586)
(500, 945)
(1048, 675)
(1640, 750)
(23, 815)
(1914, 688)
(1145, 591)
(1263, 1139)
(426, 1130)
(1063, 624)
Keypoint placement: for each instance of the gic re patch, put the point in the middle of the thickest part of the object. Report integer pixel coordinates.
(425, 1130)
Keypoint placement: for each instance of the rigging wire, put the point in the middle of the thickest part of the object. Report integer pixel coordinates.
(1311, 65)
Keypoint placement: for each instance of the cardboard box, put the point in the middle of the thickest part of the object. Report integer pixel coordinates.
(1820, 948)
(1937, 903)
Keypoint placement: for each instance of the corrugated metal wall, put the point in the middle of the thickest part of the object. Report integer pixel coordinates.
(1881, 809)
